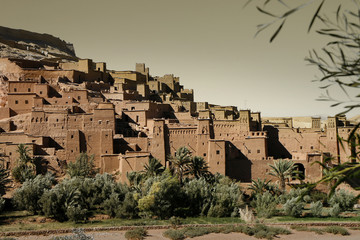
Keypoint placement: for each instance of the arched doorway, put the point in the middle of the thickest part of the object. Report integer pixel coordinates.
(299, 172)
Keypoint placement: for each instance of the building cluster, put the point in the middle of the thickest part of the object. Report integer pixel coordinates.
(59, 110)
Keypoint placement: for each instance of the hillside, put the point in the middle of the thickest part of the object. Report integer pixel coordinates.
(17, 43)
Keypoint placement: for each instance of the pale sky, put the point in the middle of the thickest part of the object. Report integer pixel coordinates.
(209, 44)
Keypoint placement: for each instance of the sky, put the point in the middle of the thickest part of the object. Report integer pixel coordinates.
(209, 44)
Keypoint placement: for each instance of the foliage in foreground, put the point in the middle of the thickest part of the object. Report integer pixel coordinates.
(329, 229)
(136, 234)
(259, 231)
(78, 234)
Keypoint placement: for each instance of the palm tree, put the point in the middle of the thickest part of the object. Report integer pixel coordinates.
(179, 164)
(283, 170)
(84, 166)
(198, 167)
(259, 185)
(153, 168)
(4, 178)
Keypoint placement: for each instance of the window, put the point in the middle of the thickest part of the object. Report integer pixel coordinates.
(137, 118)
(217, 152)
(72, 136)
(15, 89)
(78, 97)
(204, 154)
(40, 92)
(26, 102)
(132, 108)
(300, 147)
(258, 151)
(311, 147)
(249, 151)
(29, 90)
(16, 102)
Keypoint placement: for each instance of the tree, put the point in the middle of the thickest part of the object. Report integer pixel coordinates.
(153, 168)
(259, 186)
(4, 178)
(198, 167)
(25, 168)
(179, 164)
(83, 166)
(283, 170)
(339, 63)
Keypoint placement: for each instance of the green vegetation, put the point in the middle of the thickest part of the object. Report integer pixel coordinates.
(83, 166)
(25, 168)
(259, 231)
(78, 234)
(136, 234)
(329, 229)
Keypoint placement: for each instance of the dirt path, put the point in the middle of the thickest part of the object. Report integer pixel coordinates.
(157, 235)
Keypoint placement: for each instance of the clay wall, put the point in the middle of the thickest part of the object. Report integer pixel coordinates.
(110, 163)
(132, 161)
(157, 140)
(21, 102)
(4, 112)
(217, 156)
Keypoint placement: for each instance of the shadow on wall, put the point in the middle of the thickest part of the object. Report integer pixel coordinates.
(238, 166)
(275, 147)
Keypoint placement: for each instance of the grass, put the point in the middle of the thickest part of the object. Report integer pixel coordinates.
(330, 229)
(314, 219)
(24, 221)
(136, 234)
(259, 231)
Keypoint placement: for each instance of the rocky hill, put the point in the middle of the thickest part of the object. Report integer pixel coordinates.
(17, 43)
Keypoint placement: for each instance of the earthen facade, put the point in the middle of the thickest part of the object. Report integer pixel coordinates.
(124, 117)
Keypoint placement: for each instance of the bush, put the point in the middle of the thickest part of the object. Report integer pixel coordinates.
(175, 222)
(78, 234)
(64, 200)
(345, 199)
(136, 234)
(198, 195)
(265, 205)
(164, 199)
(83, 166)
(316, 208)
(246, 215)
(25, 168)
(226, 198)
(335, 210)
(28, 195)
(293, 207)
(76, 213)
(337, 230)
(174, 234)
(318, 196)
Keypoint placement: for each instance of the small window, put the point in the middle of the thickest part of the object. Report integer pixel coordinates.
(72, 136)
(78, 97)
(311, 147)
(91, 119)
(132, 108)
(300, 147)
(29, 90)
(249, 151)
(204, 154)
(15, 90)
(40, 92)
(217, 152)
(258, 151)
(116, 88)
(26, 102)
(16, 102)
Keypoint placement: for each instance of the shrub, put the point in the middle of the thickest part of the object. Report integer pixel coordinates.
(316, 208)
(25, 168)
(78, 234)
(293, 207)
(136, 234)
(76, 213)
(318, 196)
(226, 198)
(28, 195)
(345, 199)
(164, 199)
(83, 166)
(335, 210)
(337, 230)
(175, 222)
(63, 200)
(198, 195)
(174, 234)
(265, 205)
(246, 215)
(307, 198)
